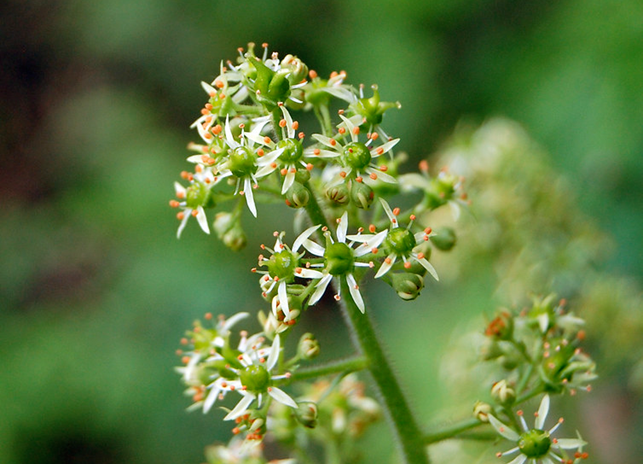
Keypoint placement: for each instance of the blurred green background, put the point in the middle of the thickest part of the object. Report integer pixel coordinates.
(97, 97)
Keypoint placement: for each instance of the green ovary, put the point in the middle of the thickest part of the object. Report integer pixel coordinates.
(242, 162)
(535, 443)
(401, 242)
(282, 265)
(196, 195)
(255, 378)
(293, 150)
(339, 259)
(356, 155)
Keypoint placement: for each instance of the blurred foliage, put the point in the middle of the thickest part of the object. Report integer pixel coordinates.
(96, 100)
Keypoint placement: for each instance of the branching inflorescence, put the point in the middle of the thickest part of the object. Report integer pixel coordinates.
(342, 179)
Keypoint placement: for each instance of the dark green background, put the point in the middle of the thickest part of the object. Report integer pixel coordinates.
(96, 100)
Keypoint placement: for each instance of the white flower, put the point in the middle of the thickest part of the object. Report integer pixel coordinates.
(192, 199)
(340, 259)
(402, 243)
(537, 445)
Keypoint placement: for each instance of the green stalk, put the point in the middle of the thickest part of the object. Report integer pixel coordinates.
(408, 435)
(353, 364)
(451, 431)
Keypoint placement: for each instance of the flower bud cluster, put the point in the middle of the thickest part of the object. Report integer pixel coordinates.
(543, 340)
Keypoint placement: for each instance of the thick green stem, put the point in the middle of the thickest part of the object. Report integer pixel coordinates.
(451, 431)
(408, 434)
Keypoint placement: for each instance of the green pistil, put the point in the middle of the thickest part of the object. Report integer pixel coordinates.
(255, 378)
(339, 259)
(535, 443)
(242, 162)
(356, 155)
(400, 241)
(293, 150)
(196, 195)
(282, 265)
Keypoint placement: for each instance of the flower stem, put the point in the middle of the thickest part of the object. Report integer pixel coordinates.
(451, 431)
(353, 364)
(408, 434)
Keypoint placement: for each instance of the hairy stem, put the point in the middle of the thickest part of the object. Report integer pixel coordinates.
(408, 434)
(451, 431)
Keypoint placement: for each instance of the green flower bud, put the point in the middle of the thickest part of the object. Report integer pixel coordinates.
(223, 222)
(339, 259)
(306, 413)
(282, 264)
(535, 443)
(407, 285)
(302, 176)
(293, 150)
(298, 70)
(490, 350)
(197, 195)
(444, 238)
(308, 347)
(255, 378)
(361, 195)
(338, 194)
(297, 196)
(235, 238)
(371, 109)
(242, 162)
(503, 393)
(481, 411)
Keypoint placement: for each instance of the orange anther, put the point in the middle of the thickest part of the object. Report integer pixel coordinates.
(185, 359)
(407, 265)
(379, 150)
(358, 179)
(333, 74)
(194, 213)
(208, 316)
(204, 111)
(208, 106)
(316, 151)
(383, 168)
(312, 74)
(180, 216)
(372, 228)
(174, 203)
(396, 211)
(374, 136)
(301, 135)
(387, 260)
(260, 152)
(342, 174)
(355, 130)
(219, 84)
(282, 123)
(333, 142)
(217, 129)
(295, 125)
(412, 217)
(373, 176)
(284, 171)
(420, 255)
(341, 130)
(309, 167)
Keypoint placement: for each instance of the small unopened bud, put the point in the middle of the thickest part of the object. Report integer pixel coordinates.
(481, 411)
(308, 347)
(297, 196)
(444, 238)
(501, 327)
(306, 413)
(407, 285)
(503, 393)
(361, 195)
(235, 238)
(338, 194)
(298, 70)
(223, 222)
(490, 350)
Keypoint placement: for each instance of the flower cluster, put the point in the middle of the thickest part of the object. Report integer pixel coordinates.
(344, 178)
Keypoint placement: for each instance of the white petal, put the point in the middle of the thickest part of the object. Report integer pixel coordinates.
(546, 460)
(341, 93)
(543, 410)
(303, 237)
(427, 265)
(502, 429)
(256, 138)
(291, 131)
(388, 211)
(228, 135)
(273, 357)
(324, 140)
(321, 288)
(288, 181)
(357, 296)
(386, 147)
(240, 408)
(570, 443)
(374, 242)
(282, 397)
(179, 189)
(314, 248)
(413, 181)
(202, 219)
(186, 215)
(384, 177)
(309, 274)
(543, 322)
(520, 459)
(208, 88)
(189, 368)
(342, 227)
(211, 398)
(232, 320)
(385, 267)
(455, 210)
(283, 297)
(250, 199)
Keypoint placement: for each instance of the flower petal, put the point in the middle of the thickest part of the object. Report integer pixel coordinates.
(273, 356)
(202, 219)
(308, 273)
(186, 215)
(289, 179)
(232, 143)
(570, 443)
(250, 199)
(386, 265)
(320, 289)
(211, 398)
(303, 237)
(342, 227)
(543, 410)
(241, 407)
(282, 397)
(429, 267)
(354, 290)
(283, 297)
(502, 429)
(389, 213)
(520, 459)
